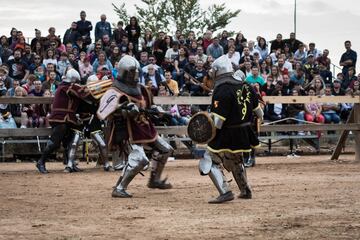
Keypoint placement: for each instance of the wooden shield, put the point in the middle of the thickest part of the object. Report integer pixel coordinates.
(201, 128)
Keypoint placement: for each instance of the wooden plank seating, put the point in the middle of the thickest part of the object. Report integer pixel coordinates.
(352, 125)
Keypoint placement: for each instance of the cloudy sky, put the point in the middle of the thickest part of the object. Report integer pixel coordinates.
(327, 23)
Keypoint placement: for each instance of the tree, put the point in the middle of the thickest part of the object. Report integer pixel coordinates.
(184, 15)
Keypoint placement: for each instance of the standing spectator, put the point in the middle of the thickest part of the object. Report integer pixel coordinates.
(18, 69)
(71, 34)
(101, 28)
(119, 32)
(348, 58)
(133, 32)
(239, 42)
(329, 110)
(292, 42)
(13, 37)
(84, 27)
(278, 43)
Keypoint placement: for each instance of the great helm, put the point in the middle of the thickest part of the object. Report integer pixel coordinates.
(71, 76)
(220, 66)
(128, 76)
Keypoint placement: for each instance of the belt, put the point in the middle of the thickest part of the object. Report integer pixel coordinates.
(246, 124)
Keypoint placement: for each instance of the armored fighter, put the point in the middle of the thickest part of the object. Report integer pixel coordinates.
(125, 105)
(233, 103)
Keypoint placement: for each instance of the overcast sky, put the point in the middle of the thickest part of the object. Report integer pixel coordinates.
(327, 23)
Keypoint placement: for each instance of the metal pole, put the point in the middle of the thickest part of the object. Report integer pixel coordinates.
(295, 17)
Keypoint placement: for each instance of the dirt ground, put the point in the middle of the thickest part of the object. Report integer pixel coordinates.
(293, 198)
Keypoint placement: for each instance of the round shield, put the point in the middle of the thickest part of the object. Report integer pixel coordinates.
(201, 128)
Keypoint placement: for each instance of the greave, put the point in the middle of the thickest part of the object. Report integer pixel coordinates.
(97, 138)
(129, 173)
(239, 174)
(50, 147)
(218, 178)
(72, 149)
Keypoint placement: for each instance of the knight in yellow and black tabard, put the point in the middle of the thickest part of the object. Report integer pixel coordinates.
(126, 105)
(232, 106)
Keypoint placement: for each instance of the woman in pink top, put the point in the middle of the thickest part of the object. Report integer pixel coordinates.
(313, 110)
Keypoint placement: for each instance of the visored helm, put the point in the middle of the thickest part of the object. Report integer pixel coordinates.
(221, 66)
(128, 71)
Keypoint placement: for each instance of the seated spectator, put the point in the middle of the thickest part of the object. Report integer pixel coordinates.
(286, 88)
(313, 110)
(86, 69)
(18, 69)
(262, 48)
(119, 32)
(329, 110)
(49, 57)
(325, 73)
(254, 77)
(172, 53)
(346, 108)
(170, 84)
(4, 76)
(349, 79)
(356, 87)
(284, 66)
(177, 119)
(234, 57)
(37, 91)
(50, 84)
(29, 83)
(199, 55)
(246, 69)
(296, 110)
(319, 86)
(298, 77)
(310, 67)
(275, 74)
(62, 64)
(275, 56)
(292, 42)
(11, 91)
(336, 88)
(300, 54)
(101, 62)
(276, 111)
(152, 60)
(152, 79)
(179, 64)
(215, 49)
(196, 79)
(144, 59)
(314, 51)
(20, 111)
(246, 57)
(269, 87)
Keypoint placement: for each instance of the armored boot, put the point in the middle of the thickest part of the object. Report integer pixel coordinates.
(71, 165)
(217, 177)
(240, 177)
(156, 171)
(129, 173)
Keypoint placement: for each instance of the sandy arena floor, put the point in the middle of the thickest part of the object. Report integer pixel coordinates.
(294, 198)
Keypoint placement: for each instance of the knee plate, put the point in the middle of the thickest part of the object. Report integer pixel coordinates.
(137, 156)
(205, 164)
(161, 150)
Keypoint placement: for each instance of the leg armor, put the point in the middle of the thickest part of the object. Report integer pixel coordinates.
(98, 139)
(210, 165)
(161, 150)
(120, 157)
(58, 133)
(72, 146)
(137, 161)
(234, 163)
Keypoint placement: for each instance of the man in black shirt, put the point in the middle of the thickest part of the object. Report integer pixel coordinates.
(348, 58)
(84, 27)
(292, 42)
(18, 69)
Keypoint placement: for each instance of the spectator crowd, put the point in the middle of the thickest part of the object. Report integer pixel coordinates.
(172, 65)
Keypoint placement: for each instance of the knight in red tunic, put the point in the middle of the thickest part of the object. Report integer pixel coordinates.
(126, 107)
(63, 119)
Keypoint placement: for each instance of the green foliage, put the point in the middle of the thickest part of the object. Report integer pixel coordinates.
(184, 15)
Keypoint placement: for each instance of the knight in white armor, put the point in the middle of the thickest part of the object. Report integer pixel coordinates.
(125, 105)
